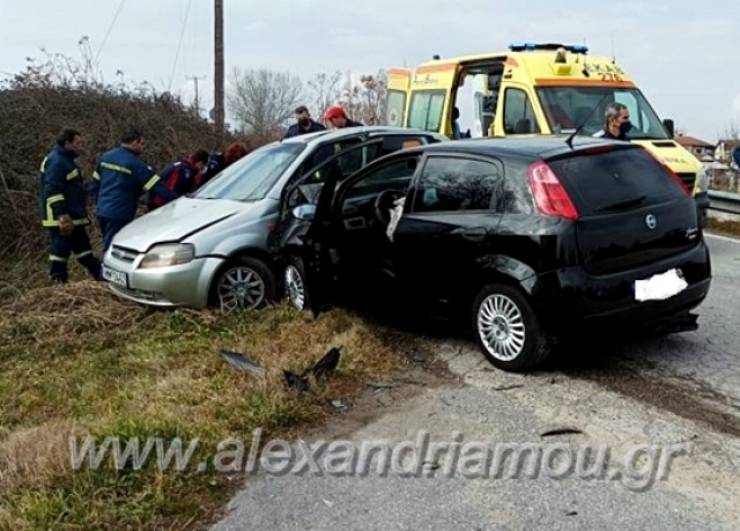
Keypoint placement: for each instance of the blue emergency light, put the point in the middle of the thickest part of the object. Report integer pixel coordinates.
(532, 46)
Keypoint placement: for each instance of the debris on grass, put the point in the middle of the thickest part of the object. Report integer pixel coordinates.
(242, 363)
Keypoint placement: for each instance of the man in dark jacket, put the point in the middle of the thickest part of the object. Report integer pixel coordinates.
(616, 122)
(337, 118)
(181, 176)
(122, 178)
(304, 123)
(63, 208)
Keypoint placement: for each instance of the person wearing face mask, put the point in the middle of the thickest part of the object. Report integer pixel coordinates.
(616, 122)
(304, 124)
(336, 118)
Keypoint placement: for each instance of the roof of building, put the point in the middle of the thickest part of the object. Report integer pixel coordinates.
(690, 141)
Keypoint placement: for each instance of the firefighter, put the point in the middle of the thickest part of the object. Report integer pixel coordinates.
(63, 208)
(337, 118)
(122, 178)
(181, 177)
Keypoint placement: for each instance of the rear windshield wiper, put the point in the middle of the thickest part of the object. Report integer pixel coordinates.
(622, 205)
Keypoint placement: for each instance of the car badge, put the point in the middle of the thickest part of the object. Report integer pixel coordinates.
(651, 221)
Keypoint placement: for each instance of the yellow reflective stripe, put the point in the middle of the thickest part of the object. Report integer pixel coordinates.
(55, 222)
(115, 167)
(74, 173)
(49, 212)
(42, 168)
(55, 258)
(96, 175)
(86, 253)
(151, 183)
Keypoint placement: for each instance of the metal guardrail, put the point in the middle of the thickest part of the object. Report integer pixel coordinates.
(724, 202)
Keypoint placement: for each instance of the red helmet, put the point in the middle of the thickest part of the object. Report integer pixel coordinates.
(335, 111)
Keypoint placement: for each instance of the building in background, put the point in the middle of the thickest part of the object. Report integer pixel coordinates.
(704, 151)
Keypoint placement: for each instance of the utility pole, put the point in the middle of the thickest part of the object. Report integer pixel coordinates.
(218, 71)
(196, 102)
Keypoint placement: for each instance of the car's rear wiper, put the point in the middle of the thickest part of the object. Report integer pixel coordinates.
(622, 205)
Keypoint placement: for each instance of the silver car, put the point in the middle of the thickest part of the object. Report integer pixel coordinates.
(210, 248)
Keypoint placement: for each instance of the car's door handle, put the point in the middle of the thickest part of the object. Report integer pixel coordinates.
(474, 234)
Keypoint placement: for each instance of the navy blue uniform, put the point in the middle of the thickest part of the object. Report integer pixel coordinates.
(122, 178)
(63, 193)
(179, 177)
(297, 130)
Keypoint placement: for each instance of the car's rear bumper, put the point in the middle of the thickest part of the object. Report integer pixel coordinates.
(181, 285)
(571, 299)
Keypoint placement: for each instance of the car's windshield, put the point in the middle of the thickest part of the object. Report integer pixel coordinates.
(251, 178)
(568, 107)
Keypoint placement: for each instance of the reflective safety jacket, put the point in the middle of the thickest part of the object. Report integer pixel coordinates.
(62, 189)
(122, 178)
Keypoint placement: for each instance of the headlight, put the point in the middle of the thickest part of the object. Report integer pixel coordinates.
(702, 179)
(168, 254)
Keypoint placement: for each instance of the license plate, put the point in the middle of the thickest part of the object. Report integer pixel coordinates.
(115, 277)
(660, 287)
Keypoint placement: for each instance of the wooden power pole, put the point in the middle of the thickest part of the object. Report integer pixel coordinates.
(218, 71)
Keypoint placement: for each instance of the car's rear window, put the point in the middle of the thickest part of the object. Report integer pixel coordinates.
(600, 182)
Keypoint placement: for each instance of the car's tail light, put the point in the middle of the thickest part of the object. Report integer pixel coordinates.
(549, 195)
(672, 173)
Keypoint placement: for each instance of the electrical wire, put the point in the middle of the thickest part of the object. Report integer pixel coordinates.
(110, 28)
(179, 45)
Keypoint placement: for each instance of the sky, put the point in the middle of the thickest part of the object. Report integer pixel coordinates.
(684, 55)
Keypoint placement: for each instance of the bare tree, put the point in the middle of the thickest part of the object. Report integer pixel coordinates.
(324, 91)
(365, 101)
(263, 100)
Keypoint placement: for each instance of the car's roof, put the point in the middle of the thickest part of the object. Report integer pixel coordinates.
(534, 147)
(337, 134)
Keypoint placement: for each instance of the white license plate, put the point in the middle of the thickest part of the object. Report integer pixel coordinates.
(660, 287)
(115, 277)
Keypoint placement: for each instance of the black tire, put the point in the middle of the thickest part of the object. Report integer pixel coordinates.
(297, 270)
(255, 266)
(522, 323)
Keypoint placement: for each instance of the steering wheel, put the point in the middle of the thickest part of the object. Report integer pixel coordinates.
(384, 204)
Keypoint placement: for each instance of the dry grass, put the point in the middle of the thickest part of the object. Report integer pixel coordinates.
(731, 227)
(78, 360)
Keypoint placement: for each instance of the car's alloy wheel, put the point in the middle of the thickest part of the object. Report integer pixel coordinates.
(501, 327)
(508, 329)
(295, 287)
(241, 287)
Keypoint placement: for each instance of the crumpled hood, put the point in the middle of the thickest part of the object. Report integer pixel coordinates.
(175, 221)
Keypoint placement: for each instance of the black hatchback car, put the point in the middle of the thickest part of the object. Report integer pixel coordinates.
(527, 239)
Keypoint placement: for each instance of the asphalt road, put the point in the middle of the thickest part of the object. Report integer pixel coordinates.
(682, 390)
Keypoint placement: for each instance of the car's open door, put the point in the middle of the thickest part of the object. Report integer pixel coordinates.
(305, 227)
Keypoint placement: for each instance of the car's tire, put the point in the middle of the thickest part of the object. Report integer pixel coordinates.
(294, 279)
(507, 329)
(243, 283)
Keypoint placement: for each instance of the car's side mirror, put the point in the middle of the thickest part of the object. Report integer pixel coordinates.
(670, 127)
(305, 212)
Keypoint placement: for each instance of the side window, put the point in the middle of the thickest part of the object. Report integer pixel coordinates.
(396, 106)
(453, 184)
(519, 117)
(426, 109)
(394, 176)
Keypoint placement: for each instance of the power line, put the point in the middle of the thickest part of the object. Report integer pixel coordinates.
(110, 28)
(195, 80)
(179, 45)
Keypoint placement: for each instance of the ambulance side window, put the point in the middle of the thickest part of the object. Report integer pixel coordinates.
(519, 116)
(426, 109)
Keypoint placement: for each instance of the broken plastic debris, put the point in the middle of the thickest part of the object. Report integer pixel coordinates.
(295, 381)
(242, 362)
(328, 364)
(561, 431)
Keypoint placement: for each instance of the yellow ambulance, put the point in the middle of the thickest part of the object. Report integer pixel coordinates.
(533, 89)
